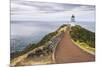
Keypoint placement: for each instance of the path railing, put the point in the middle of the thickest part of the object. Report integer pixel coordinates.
(54, 42)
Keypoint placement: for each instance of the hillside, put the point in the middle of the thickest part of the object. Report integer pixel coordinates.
(42, 42)
(41, 51)
(83, 38)
(44, 50)
(30, 47)
(82, 35)
(69, 51)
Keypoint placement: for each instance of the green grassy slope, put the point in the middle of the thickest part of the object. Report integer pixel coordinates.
(82, 35)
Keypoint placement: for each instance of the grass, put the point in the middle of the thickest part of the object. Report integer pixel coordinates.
(83, 35)
(83, 38)
(37, 60)
(30, 47)
(85, 47)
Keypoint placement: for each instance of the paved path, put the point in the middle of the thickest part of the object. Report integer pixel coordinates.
(68, 52)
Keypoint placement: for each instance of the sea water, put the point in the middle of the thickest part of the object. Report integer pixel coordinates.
(25, 32)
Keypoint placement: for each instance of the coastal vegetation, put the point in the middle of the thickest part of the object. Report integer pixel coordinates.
(83, 38)
(79, 35)
(30, 47)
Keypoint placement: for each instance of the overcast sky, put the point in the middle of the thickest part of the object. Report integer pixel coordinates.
(26, 10)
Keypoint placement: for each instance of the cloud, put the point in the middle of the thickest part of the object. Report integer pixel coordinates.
(44, 16)
(32, 10)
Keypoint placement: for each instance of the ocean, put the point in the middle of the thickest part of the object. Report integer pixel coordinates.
(25, 32)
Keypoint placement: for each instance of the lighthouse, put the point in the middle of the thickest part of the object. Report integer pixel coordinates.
(72, 20)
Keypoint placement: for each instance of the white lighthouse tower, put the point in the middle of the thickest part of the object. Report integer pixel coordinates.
(72, 20)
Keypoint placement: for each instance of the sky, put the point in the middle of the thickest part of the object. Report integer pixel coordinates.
(32, 17)
(26, 10)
